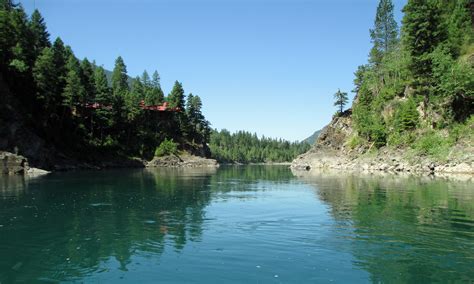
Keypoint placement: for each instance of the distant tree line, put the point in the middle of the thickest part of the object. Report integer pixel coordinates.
(53, 88)
(245, 147)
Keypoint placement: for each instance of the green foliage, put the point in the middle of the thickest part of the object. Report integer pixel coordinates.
(166, 148)
(46, 79)
(40, 35)
(119, 78)
(354, 141)
(74, 92)
(396, 139)
(176, 97)
(244, 147)
(152, 88)
(422, 32)
(87, 80)
(458, 131)
(432, 144)
(406, 116)
(385, 33)
(70, 104)
(370, 125)
(199, 126)
(423, 70)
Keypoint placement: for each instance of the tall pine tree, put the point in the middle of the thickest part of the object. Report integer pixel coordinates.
(74, 92)
(422, 32)
(385, 33)
(40, 35)
(87, 79)
(119, 78)
(176, 97)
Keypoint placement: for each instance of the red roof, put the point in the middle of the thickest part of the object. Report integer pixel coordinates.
(163, 107)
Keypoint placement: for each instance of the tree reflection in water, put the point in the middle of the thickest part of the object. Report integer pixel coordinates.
(68, 225)
(403, 228)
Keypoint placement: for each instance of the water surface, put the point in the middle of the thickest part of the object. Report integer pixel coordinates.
(257, 223)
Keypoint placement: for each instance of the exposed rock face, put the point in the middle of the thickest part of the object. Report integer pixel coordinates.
(184, 161)
(332, 152)
(13, 164)
(336, 133)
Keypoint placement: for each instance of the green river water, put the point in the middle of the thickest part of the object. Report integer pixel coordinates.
(252, 224)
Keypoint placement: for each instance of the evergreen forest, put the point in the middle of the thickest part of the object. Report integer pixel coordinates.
(82, 110)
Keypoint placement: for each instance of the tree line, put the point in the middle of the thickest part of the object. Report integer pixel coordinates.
(245, 147)
(420, 78)
(53, 88)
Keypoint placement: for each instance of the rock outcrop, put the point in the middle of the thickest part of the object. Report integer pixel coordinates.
(183, 161)
(331, 151)
(13, 164)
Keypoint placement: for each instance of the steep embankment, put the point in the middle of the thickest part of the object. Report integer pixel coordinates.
(334, 150)
(414, 105)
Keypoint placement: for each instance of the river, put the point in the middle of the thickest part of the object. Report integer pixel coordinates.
(256, 224)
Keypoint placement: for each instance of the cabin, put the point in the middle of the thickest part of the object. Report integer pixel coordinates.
(161, 108)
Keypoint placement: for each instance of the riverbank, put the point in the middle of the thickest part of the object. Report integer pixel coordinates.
(390, 175)
(334, 149)
(181, 161)
(460, 161)
(13, 164)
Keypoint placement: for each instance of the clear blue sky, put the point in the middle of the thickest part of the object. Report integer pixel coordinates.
(264, 66)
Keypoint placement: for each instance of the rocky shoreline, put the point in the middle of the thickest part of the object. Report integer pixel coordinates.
(11, 164)
(181, 161)
(332, 151)
(384, 160)
(14, 164)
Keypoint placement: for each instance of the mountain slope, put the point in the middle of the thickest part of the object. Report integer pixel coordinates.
(311, 139)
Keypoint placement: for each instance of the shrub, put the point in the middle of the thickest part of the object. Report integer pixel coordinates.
(167, 147)
(396, 139)
(432, 144)
(355, 141)
(406, 116)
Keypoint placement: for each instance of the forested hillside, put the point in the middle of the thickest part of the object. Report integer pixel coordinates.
(245, 147)
(73, 108)
(414, 103)
(417, 90)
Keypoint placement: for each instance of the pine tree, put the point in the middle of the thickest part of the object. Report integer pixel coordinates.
(87, 79)
(21, 46)
(138, 89)
(385, 33)
(104, 96)
(157, 91)
(61, 55)
(341, 100)
(119, 78)
(145, 79)
(104, 99)
(406, 116)
(40, 35)
(422, 32)
(156, 80)
(46, 79)
(153, 93)
(74, 92)
(176, 100)
(176, 97)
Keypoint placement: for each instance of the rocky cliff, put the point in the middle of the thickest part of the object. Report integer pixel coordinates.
(333, 150)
